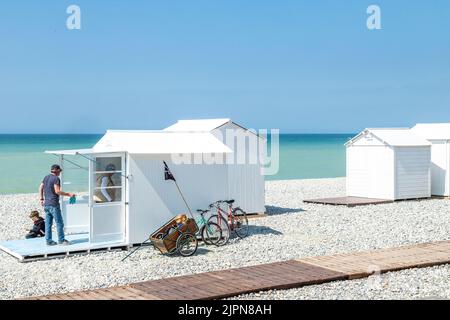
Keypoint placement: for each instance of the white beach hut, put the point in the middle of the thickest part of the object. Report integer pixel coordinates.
(245, 181)
(144, 199)
(391, 164)
(438, 134)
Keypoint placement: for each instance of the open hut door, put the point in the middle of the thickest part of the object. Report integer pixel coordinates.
(107, 193)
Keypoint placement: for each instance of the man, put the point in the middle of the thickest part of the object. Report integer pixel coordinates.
(50, 191)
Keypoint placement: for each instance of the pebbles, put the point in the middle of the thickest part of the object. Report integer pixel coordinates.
(293, 229)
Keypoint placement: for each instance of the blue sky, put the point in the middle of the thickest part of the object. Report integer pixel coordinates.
(301, 66)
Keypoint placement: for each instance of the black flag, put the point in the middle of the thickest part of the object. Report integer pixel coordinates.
(167, 174)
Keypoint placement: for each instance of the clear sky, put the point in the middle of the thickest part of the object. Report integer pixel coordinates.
(300, 65)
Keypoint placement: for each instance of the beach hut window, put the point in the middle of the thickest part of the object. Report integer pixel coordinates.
(108, 180)
(108, 164)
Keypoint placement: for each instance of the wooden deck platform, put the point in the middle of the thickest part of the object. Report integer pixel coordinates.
(348, 201)
(279, 275)
(27, 250)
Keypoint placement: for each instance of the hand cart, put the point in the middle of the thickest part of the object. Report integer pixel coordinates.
(177, 236)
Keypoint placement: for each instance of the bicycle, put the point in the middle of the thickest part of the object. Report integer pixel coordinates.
(210, 232)
(235, 220)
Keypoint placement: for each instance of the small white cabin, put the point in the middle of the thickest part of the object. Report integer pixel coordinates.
(438, 134)
(143, 199)
(245, 181)
(392, 164)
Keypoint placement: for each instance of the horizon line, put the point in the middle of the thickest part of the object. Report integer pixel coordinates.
(103, 133)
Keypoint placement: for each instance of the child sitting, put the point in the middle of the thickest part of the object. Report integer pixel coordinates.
(38, 229)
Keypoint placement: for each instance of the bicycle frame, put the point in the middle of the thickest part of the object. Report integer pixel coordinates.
(201, 221)
(229, 216)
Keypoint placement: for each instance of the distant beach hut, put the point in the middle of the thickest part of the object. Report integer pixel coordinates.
(438, 134)
(392, 164)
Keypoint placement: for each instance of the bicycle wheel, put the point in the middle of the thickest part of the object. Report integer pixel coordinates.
(240, 222)
(223, 224)
(187, 244)
(211, 233)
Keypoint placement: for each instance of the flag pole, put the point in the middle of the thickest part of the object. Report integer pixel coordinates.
(182, 196)
(169, 176)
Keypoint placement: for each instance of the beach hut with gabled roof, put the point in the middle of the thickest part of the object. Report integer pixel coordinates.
(143, 200)
(244, 169)
(391, 164)
(438, 134)
(137, 197)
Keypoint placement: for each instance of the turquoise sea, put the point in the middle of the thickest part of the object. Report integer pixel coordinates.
(23, 162)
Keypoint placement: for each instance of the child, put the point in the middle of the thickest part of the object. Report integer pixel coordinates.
(38, 229)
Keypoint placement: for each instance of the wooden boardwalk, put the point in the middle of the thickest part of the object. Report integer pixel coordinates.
(279, 275)
(348, 201)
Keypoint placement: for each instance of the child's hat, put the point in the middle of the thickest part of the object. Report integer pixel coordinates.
(34, 214)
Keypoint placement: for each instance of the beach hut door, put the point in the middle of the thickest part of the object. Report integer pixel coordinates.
(107, 188)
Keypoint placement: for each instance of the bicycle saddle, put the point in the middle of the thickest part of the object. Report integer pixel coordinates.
(202, 211)
(229, 201)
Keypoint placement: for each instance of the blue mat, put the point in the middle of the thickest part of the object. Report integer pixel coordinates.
(28, 248)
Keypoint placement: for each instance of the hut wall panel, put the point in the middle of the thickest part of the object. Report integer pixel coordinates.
(245, 181)
(153, 200)
(440, 168)
(370, 172)
(412, 172)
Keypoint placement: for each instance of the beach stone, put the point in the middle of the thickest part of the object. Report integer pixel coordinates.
(291, 230)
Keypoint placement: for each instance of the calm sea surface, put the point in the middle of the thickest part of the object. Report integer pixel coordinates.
(23, 162)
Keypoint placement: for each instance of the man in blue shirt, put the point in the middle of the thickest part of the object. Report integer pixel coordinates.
(50, 191)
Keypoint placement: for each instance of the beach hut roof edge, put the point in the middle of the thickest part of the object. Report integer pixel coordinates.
(74, 152)
(198, 124)
(433, 131)
(161, 142)
(153, 142)
(395, 137)
(204, 125)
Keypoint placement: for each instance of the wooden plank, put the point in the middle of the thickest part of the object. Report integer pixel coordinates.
(386, 259)
(143, 294)
(348, 201)
(94, 295)
(278, 275)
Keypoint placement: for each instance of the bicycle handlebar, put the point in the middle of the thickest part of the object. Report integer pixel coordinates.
(218, 202)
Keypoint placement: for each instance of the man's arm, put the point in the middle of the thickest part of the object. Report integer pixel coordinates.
(41, 193)
(59, 192)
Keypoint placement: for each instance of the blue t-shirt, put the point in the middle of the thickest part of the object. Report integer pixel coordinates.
(50, 196)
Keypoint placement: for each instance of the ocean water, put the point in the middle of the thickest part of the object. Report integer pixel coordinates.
(23, 162)
(311, 156)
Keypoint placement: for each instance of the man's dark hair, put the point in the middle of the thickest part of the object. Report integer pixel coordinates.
(55, 167)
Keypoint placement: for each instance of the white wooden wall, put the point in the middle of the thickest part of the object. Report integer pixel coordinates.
(370, 171)
(440, 178)
(245, 182)
(412, 172)
(153, 201)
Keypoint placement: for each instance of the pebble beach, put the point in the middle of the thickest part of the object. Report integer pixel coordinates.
(291, 230)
